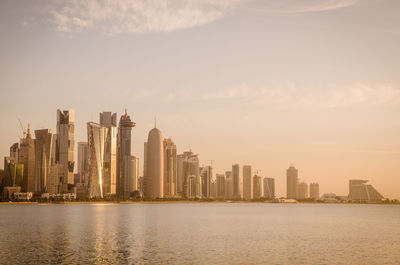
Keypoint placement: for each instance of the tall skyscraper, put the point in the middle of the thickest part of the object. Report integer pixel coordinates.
(124, 155)
(187, 166)
(43, 154)
(228, 185)
(237, 182)
(360, 191)
(54, 179)
(27, 158)
(302, 191)
(97, 138)
(269, 188)
(314, 190)
(220, 186)
(13, 173)
(14, 151)
(170, 168)
(109, 120)
(206, 175)
(292, 181)
(154, 179)
(247, 182)
(65, 145)
(257, 187)
(134, 175)
(83, 163)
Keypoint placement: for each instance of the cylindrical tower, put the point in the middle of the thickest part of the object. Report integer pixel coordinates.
(154, 182)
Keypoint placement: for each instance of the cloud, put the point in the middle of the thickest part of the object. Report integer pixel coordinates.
(145, 16)
(136, 16)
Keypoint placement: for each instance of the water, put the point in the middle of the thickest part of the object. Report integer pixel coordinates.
(200, 233)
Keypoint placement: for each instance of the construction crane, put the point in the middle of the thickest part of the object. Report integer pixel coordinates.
(22, 128)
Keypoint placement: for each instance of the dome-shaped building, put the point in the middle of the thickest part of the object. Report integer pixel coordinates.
(154, 179)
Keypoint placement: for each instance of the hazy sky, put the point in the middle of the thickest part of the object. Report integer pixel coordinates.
(268, 83)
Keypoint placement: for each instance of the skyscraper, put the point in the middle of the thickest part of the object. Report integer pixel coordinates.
(83, 163)
(109, 120)
(154, 179)
(314, 190)
(220, 186)
(43, 154)
(269, 188)
(14, 151)
(187, 166)
(291, 182)
(302, 191)
(228, 185)
(134, 175)
(27, 158)
(247, 182)
(124, 155)
(65, 145)
(206, 178)
(257, 187)
(360, 191)
(97, 138)
(237, 182)
(170, 168)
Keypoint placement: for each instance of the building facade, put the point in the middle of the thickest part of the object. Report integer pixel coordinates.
(247, 182)
(170, 168)
(26, 156)
(292, 181)
(83, 163)
(237, 182)
(302, 192)
(269, 188)
(154, 179)
(43, 154)
(360, 191)
(257, 187)
(314, 191)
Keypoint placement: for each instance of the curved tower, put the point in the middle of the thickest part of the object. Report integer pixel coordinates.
(154, 179)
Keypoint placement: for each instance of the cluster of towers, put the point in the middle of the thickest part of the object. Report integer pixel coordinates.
(299, 190)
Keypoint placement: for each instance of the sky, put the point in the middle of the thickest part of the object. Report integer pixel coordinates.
(309, 83)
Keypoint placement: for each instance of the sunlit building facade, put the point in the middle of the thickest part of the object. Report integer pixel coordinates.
(109, 120)
(247, 182)
(314, 191)
(170, 168)
(292, 181)
(360, 191)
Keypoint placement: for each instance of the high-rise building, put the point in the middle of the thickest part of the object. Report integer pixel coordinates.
(43, 154)
(220, 186)
(247, 182)
(302, 191)
(27, 158)
(124, 155)
(257, 187)
(206, 174)
(54, 179)
(64, 149)
(360, 191)
(237, 182)
(134, 175)
(109, 120)
(314, 190)
(228, 185)
(154, 179)
(14, 151)
(292, 181)
(269, 188)
(13, 173)
(187, 166)
(97, 138)
(83, 163)
(170, 168)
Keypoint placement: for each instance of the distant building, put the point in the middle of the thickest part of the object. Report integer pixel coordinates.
(14, 152)
(302, 191)
(64, 149)
(83, 163)
(269, 188)
(237, 182)
(43, 154)
(154, 179)
(314, 190)
(54, 179)
(220, 186)
(97, 138)
(26, 156)
(257, 187)
(13, 173)
(109, 120)
(292, 181)
(228, 185)
(170, 168)
(329, 197)
(206, 178)
(360, 191)
(134, 175)
(124, 153)
(247, 182)
(187, 166)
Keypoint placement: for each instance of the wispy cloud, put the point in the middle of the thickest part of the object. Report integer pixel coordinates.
(143, 16)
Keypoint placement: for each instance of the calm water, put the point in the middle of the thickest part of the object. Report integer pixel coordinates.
(210, 233)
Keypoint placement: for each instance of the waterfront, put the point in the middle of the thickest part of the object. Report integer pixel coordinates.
(209, 233)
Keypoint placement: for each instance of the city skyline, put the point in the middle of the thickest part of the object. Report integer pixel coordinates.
(261, 83)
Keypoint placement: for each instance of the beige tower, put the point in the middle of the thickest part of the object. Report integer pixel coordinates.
(170, 168)
(291, 182)
(247, 182)
(154, 179)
